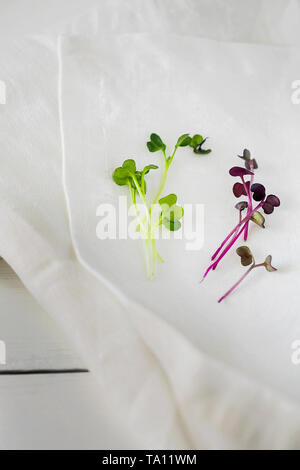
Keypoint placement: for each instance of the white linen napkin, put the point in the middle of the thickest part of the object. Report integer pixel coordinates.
(167, 392)
(115, 91)
(259, 21)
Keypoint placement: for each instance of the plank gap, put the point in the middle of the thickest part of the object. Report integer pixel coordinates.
(42, 371)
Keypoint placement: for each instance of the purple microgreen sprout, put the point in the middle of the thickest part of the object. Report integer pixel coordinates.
(239, 171)
(257, 199)
(250, 163)
(259, 192)
(271, 202)
(247, 259)
(239, 189)
(240, 206)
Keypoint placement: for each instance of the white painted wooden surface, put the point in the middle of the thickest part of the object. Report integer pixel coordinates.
(33, 341)
(48, 411)
(62, 411)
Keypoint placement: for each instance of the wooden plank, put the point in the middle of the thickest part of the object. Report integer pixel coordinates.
(64, 411)
(32, 339)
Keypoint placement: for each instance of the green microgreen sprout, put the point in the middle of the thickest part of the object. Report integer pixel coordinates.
(247, 259)
(197, 143)
(169, 213)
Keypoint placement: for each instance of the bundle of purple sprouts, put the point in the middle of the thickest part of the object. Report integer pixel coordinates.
(256, 200)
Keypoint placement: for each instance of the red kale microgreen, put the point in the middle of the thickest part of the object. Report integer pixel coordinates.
(241, 205)
(259, 191)
(250, 163)
(239, 171)
(247, 259)
(239, 189)
(271, 202)
(256, 194)
(245, 254)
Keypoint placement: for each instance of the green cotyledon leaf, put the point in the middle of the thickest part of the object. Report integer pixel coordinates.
(173, 226)
(123, 174)
(171, 213)
(130, 165)
(175, 213)
(170, 200)
(183, 140)
(147, 168)
(196, 140)
(155, 143)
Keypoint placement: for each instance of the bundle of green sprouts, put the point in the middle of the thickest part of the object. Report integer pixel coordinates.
(169, 213)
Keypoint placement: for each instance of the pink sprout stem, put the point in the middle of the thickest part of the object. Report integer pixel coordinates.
(246, 231)
(236, 236)
(232, 242)
(249, 203)
(246, 218)
(226, 239)
(240, 280)
(236, 284)
(215, 264)
(231, 233)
